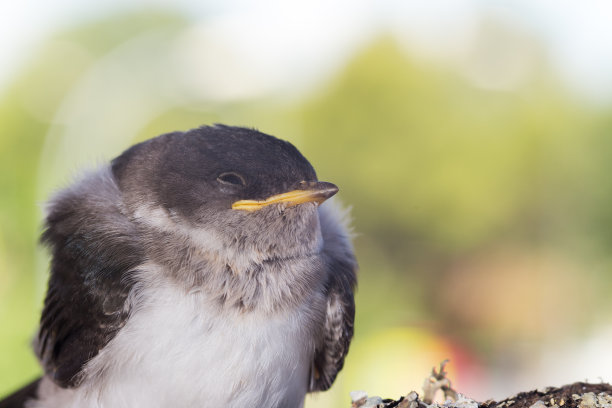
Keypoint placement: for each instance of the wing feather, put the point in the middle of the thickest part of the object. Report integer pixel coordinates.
(340, 313)
(93, 250)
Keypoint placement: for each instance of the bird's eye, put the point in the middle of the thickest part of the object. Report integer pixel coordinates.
(231, 178)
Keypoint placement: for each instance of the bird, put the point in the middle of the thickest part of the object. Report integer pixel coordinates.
(199, 268)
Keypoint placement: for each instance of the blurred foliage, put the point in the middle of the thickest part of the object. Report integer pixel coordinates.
(482, 216)
(438, 170)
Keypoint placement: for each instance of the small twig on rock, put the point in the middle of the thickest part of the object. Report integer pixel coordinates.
(438, 381)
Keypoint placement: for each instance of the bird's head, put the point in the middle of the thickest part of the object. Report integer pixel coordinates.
(238, 193)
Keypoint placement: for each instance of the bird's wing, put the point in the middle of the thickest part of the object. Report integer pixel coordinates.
(92, 254)
(340, 314)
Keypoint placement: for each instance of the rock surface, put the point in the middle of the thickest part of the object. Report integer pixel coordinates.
(576, 395)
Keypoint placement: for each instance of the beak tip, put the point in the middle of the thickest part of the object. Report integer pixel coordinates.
(324, 189)
(331, 190)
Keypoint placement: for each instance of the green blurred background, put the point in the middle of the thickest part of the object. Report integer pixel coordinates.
(471, 140)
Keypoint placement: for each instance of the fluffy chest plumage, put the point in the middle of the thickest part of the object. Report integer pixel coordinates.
(178, 350)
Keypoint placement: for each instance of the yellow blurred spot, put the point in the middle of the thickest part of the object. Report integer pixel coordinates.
(388, 363)
(393, 362)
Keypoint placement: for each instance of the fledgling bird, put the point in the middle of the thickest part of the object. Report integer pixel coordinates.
(198, 269)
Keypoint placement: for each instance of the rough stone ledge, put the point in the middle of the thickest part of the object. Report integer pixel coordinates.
(576, 395)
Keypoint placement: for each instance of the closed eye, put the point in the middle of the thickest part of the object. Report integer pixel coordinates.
(231, 178)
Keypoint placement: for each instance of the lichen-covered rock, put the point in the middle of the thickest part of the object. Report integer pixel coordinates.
(577, 395)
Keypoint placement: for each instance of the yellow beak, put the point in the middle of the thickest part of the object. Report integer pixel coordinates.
(315, 191)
